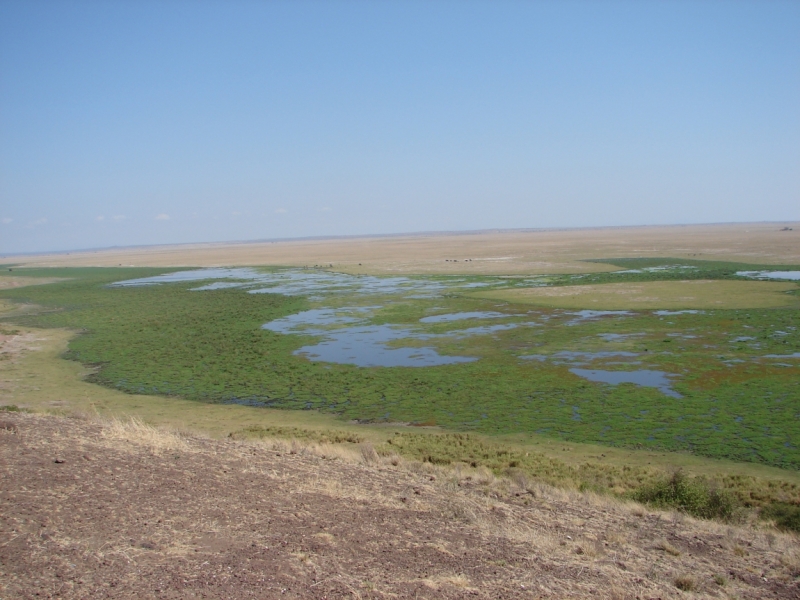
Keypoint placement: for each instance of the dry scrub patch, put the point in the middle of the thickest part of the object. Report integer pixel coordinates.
(92, 509)
(699, 294)
(8, 282)
(134, 431)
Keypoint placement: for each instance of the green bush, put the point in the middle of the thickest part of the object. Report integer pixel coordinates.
(786, 516)
(695, 496)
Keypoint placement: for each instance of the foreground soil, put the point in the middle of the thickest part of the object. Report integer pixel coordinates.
(93, 509)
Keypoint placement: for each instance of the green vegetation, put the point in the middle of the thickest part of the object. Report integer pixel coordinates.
(322, 436)
(721, 497)
(696, 496)
(707, 497)
(642, 270)
(786, 516)
(669, 269)
(209, 346)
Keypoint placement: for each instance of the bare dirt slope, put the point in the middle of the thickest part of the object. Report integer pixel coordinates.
(486, 252)
(109, 510)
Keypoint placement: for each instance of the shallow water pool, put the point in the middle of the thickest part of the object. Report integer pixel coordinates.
(643, 377)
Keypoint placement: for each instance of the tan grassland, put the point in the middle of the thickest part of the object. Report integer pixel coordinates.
(513, 252)
(697, 294)
(8, 282)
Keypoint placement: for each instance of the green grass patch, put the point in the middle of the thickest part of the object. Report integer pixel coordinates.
(786, 516)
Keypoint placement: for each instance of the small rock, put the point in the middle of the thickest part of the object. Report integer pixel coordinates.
(59, 461)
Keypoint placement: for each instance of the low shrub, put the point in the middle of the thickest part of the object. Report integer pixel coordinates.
(685, 583)
(785, 516)
(323, 436)
(695, 496)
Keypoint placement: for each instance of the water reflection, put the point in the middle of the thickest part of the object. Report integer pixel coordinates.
(585, 315)
(617, 337)
(349, 338)
(295, 282)
(790, 275)
(464, 315)
(365, 346)
(643, 377)
(578, 358)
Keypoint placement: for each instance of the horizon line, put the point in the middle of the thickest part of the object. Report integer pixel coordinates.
(386, 235)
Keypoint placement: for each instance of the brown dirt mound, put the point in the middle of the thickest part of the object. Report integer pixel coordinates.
(113, 510)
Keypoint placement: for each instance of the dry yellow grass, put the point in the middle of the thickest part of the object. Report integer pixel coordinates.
(134, 431)
(491, 252)
(333, 527)
(699, 294)
(7, 282)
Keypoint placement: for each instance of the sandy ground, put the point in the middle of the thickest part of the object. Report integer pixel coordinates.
(107, 510)
(490, 252)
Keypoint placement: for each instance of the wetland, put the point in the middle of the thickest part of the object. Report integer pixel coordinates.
(435, 350)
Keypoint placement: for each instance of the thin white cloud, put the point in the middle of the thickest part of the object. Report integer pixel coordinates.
(118, 218)
(7, 220)
(100, 218)
(162, 217)
(41, 221)
(281, 211)
(325, 209)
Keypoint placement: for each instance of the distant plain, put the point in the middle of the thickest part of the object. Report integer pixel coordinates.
(516, 252)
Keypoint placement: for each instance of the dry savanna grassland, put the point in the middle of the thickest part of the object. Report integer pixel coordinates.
(523, 252)
(113, 494)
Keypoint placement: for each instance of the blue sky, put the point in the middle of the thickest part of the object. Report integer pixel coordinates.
(149, 122)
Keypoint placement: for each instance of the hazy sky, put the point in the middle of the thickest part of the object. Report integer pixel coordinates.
(155, 122)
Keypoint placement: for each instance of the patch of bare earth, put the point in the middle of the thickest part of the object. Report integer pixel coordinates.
(120, 510)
